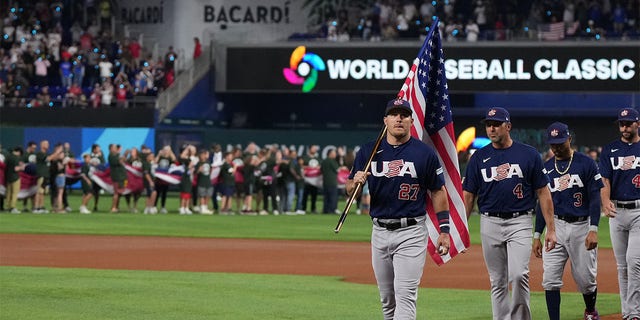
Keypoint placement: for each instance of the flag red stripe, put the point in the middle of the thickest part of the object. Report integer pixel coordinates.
(462, 237)
(459, 226)
(454, 175)
(410, 95)
(433, 252)
(428, 68)
(420, 112)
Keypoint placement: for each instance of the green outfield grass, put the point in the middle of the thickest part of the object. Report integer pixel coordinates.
(52, 293)
(307, 227)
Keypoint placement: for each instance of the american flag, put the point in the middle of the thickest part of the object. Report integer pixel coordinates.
(73, 171)
(171, 174)
(28, 180)
(426, 90)
(551, 31)
(102, 176)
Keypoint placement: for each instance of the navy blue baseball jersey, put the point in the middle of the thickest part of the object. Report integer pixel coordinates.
(407, 170)
(505, 180)
(620, 163)
(576, 191)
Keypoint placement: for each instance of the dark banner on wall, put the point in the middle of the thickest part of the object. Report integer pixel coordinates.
(76, 117)
(532, 67)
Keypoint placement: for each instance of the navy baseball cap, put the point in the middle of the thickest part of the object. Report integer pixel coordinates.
(628, 114)
(398, 104)
(497, 114)
(557, 133)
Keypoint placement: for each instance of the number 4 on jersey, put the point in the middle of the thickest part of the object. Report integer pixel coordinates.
(636, 180)
(518, 191)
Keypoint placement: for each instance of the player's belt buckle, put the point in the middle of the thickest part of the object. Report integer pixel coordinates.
(573, 219)
(628, 204)
(395, 225)
(506, 215)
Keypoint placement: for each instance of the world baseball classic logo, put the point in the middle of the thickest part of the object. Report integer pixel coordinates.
(303, 68)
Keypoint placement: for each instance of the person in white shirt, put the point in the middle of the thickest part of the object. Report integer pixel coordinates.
(41, 64)
(106, 92)
(472, 30)
(105, 68)
(480, 13)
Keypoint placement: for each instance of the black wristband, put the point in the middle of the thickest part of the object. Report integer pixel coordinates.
(443, 221)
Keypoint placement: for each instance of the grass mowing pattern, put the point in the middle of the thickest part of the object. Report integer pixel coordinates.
(52, 293)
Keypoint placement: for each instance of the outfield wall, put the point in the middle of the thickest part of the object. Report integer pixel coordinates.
(80, 139)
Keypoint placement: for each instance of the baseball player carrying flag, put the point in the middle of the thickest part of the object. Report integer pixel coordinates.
(426, 91)
(409, 170)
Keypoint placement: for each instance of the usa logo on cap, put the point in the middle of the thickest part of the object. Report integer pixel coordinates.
(492, 112)
(628, 114)
(398, 102)
(554, 133)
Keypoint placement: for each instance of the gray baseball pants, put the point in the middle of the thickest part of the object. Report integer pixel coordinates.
(625, 238)
(398, 259)
(570, 246)
(506, 246)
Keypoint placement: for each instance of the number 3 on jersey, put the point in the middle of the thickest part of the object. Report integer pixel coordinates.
(408, 191)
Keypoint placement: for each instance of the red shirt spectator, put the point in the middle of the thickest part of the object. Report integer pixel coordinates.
(135, 49)
(85, 41)
(65, 55)
(95, 95)
(169, 77)
(121, 93)
(197, 51)
(500, 29)
(75, 90)
(74, 95)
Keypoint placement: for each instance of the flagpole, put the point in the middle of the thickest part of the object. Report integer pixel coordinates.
(358, 186)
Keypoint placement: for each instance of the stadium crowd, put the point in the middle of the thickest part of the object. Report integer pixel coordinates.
(473, 20)
(56, 56)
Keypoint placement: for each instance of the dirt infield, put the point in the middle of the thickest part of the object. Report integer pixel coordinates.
(344, 259)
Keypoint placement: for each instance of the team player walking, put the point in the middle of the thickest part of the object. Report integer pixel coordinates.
(620, 169)
(510, 183)
(403, 170)
(575, 189)
(505, 177)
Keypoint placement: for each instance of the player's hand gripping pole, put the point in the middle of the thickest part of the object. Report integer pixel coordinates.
(358, 186)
